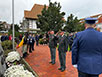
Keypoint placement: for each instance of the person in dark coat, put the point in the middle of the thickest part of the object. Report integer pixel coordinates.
(87, 50)
(20, 37)
(30, 43)
(33, 41)
(6, 37)
(37, 40)
(3, 37)
(63, 48)
(52, 46)
(70, 38)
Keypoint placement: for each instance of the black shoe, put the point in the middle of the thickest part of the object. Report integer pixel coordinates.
(50, 62)
(30, 51)
(63, 69)
(53, 63)
(27, 53)
(59, 68)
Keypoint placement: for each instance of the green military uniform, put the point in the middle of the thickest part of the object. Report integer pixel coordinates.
(52, 46)
(63, 47)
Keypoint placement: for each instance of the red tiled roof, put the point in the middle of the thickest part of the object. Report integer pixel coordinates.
(99, 16)
(92, 16)
(34, 11)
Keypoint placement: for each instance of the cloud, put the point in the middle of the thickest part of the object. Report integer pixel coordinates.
(80, 8)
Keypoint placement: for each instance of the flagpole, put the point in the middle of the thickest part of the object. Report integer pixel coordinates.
(13, 24)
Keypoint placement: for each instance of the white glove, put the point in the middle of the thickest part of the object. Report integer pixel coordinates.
(75, 66)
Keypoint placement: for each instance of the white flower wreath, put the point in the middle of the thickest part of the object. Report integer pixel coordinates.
(17, 71)
(13, 56)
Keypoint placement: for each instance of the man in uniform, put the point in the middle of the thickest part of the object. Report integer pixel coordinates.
(63, 47)
(52, 46)
(87, 50)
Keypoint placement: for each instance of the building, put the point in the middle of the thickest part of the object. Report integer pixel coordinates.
(98, 23)
(4, 26)
(30, 18)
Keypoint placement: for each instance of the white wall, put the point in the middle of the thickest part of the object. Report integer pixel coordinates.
(32, 24)
(99, 26)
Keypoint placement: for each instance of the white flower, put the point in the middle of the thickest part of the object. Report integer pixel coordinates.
(17, 71)
(13, 56)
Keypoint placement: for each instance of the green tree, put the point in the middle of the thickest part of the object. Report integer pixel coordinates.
(16, 27)
(16, 30)
(51, 17)
(73, 24)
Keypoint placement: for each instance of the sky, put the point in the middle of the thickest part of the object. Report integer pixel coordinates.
(79, 8)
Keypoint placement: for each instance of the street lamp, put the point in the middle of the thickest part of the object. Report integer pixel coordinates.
(13, 24)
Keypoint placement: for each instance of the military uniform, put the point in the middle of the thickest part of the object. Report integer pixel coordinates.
(87, 52)
(52, 46)
(63, 47)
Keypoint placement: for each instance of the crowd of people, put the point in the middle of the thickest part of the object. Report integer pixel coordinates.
(86, 47)
(5, 37)
(29, 42)
(61, 41)
(51, 39)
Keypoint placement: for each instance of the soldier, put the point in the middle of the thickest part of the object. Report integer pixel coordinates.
(52, 46)
(70, 39)
(63, 47)
(87, 50)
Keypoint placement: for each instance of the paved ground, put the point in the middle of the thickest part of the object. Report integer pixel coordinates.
(39, 61)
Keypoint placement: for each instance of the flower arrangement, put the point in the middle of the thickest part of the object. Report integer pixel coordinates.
(13, 56)
(17, 71)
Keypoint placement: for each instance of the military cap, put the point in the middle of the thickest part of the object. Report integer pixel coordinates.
(90, 20)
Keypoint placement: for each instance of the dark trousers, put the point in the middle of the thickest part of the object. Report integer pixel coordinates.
(62, 59)
(33, 46)
(53, 54)
(70, 45)
(30, 47)
(37, 42)
(81, 74)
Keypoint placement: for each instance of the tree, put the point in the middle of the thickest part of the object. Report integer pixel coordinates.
(51, 18)
(16, 30)
(16, 27)
(73, 24)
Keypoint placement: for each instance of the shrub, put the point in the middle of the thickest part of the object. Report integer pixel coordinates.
(7, 46)
(40, 41)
